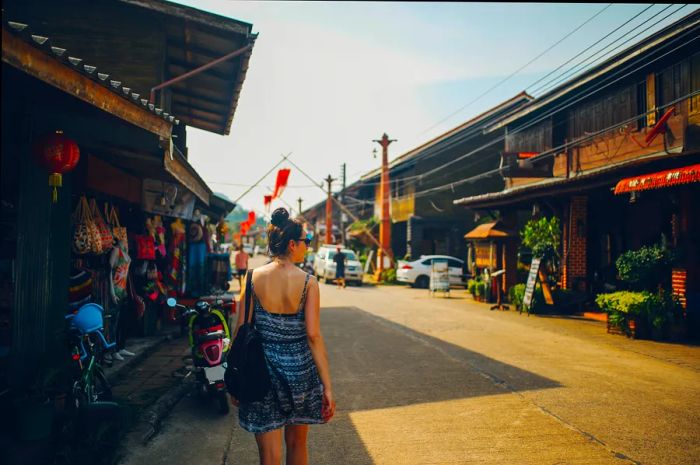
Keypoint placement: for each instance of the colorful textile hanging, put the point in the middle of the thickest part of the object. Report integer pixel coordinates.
(267, 200)
(281, 183)
(251, 218)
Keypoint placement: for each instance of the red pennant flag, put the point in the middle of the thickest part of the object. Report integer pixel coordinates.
(281, 183)
(251, 218)
(267, 200)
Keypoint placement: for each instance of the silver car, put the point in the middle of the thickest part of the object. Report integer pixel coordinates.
(324, 266)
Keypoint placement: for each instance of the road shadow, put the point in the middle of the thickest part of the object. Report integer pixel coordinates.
(378, 364)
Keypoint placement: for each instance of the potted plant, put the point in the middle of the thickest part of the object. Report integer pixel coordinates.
(516, 295)
(480, 291)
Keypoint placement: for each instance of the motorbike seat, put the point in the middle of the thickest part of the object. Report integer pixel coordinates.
(211, 336)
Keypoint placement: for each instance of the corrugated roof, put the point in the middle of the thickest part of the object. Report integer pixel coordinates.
(120, 88)
(518, 193)
(207, 100)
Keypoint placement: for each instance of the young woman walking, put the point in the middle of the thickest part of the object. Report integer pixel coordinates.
(286, 303)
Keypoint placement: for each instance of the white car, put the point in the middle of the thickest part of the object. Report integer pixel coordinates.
(247, 248)
(417, 272)
(324, 266)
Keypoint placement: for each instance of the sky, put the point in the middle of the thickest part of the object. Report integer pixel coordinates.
(327, 78)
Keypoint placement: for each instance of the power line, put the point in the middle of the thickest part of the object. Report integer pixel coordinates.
(517, 70)
(554, 151)
(556, 81)
(284, 157)
(573, 100)
(589, 47)
(562, 106)
(476, 130)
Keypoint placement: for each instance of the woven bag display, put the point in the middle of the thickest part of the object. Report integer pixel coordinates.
(81, 243)
(105, 237)
(118, 231)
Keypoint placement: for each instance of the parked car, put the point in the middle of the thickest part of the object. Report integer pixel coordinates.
(248, 249)
(324, 266)
(417, 273)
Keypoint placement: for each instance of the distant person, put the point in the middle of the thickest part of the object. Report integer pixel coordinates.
(241, 259)
(286, 305)
(340, 259)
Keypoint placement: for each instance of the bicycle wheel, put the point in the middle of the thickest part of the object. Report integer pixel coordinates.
(102, 390)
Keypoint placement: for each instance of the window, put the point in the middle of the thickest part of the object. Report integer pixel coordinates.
(673, 84)
(427, 262)
(603, 112)
(452, 263)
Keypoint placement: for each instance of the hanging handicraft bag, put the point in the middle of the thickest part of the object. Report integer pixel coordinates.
(106, 238)
(246, 377)
(145, 247)
(82, 228)
(118, 231)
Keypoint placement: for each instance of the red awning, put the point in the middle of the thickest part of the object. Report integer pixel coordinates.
(674, 177)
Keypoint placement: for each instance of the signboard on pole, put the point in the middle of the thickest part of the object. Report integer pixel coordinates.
(531, 280)
(439, 276)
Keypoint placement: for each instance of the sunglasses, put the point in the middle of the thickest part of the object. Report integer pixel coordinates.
(307, 239)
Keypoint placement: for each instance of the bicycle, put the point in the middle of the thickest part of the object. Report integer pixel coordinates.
(91, 385)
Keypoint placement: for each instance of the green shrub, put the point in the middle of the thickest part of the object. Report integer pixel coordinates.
(542, 236)
(471, 287)
(646, 268)
(480, 289)
(389, 276)
(516, 295)
(627, 302)
(649, 310)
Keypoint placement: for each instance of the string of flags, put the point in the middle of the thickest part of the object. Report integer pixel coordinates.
(280, 185)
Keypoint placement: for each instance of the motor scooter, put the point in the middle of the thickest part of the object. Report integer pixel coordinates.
(210, 340)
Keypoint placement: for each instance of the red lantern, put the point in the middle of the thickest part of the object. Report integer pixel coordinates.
(59, 155)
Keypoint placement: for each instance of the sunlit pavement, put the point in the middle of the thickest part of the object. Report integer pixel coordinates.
(427, 380)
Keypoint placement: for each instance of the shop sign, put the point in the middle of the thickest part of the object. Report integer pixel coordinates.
(531, 280)
(167, 199)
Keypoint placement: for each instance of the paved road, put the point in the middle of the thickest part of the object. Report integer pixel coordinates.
(423, 380)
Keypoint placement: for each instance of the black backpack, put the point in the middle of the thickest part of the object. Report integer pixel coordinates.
(247, 377)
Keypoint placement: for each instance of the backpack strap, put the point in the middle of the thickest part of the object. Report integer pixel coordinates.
(303, 293)
(248, 296)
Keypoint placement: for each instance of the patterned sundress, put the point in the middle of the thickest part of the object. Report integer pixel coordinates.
(292, 371)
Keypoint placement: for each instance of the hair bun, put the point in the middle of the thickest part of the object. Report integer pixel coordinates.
(280, 217)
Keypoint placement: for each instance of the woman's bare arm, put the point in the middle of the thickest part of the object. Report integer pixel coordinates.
(313, 333)
(241, 307)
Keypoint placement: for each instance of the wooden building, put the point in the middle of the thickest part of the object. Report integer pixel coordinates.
(88, 68)
(635, 114)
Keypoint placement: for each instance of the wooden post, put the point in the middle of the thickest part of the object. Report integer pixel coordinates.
(385, 196)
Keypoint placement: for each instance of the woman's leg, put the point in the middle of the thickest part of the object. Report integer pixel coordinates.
(295, 439)
(270, 447)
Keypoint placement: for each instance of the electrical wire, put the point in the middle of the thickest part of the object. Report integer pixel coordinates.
(573, 100)
(590, 47)
(576, 68)
(517, 70)
(477, 129)
(554, 151)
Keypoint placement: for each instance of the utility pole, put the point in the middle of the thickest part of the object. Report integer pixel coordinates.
(342, 214)
(300, 200)
(385, 196)
(329, 211)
